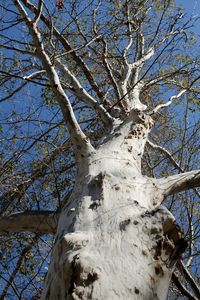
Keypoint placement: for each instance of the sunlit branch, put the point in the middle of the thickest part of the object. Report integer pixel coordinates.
(39, 12)
(78, 137)
(27, 79)
(83, 95)
(41, 222)
(66, 45)
(178, 183)
(170, 157)
(130, 37)
(168, 103)
(109, 70)
(78, 48)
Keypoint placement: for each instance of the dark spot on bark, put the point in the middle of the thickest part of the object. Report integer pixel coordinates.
(95, 205)
(117, 188)
(136, 202)
(144, 253)
(159, 270)
(154, 230)
(135, 222)
(117, 134)
(124, 223)
(130, 149)
(137, 291)
(92, 277)
(73, 275)
(157, 237)
(96, 187)
(152, 279)
(158, 248)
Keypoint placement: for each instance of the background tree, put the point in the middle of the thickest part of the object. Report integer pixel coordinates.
(82, 86)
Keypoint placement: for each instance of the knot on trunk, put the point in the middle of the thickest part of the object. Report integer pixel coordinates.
(96, 189)
(142, 123)
(171, 244)
(142, 118)
(82, 276)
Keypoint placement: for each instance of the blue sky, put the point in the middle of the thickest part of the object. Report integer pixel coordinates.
(191, 8)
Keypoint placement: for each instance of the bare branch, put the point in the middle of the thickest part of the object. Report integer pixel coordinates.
(28, 79)
(41, 222)
(170, 157)
(39, 12)
(178, 183)
(17, 192)
(130, 37)
(182, 288)
(17, 267)
(144, 58)
(23, 51)
(160, 106)
(78, 48)
(83, 95)
(166, 152)
(78, 137)
(109, 70)
(67, 46)
(183, 269)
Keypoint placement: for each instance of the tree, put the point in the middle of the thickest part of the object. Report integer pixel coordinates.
(89, 89)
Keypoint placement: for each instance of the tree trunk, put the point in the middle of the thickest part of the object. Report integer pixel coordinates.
(114, 240)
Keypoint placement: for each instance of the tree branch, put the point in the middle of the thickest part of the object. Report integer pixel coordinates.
(79, 139)
(39, 12)
(41, 222)
(182, 268)
(66, 45)
(17, 267)
(182, 288)
(178, 183)
(170, 157)
(27, 79)
(160, 106)
(83, 95)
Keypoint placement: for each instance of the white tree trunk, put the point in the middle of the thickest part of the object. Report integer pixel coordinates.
(113, 240)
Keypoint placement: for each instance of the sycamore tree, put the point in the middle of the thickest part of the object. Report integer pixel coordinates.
(99, 127)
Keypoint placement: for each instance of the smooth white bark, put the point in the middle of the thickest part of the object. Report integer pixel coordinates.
(178, 183)
(111, 242)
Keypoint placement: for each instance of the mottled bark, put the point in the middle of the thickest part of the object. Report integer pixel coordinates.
(113, 240)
